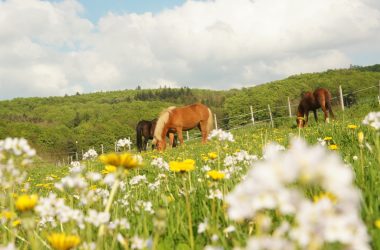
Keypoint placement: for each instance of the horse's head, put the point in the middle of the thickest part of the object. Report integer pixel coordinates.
(300, 121)
(160, 144)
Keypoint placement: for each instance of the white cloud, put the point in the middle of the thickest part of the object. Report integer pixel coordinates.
(49, 49)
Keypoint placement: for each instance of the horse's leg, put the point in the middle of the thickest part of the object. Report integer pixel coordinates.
(306, 117)
(180, 137)
(171, 139)
(315, 115)
(203, 128)
(328, 104)
(325, 112)
(145, 143)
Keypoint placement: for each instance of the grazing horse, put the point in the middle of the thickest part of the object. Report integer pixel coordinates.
(183, 119)
(320, 98)
(146, 129)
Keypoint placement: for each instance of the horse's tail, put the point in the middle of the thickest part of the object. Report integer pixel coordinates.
(210, 121)
(139, 137)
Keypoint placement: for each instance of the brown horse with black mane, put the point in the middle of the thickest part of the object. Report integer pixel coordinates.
(182, 119)
(321, 98)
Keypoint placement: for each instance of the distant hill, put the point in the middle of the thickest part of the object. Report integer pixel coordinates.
(61, 126)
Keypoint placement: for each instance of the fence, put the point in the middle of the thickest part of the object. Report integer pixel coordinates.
(265, 115)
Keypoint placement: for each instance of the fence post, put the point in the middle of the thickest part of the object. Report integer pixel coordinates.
(215, 122)
(289, 107)
(76, 156)
(252, 118)
(115, 146)
(187, 135)
(270, 115)
(102, 148)
(341, 97)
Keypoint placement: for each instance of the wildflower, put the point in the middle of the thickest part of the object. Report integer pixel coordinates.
(221, 135)
(125, 160)
(62, 241)
(333, 147)
(109, 169)
(216, 175)
(326, 195)
(355, 158)
(352, 126)
(361, 137)
(15, 223)
(212, 155)
(327, 138)
(138, 243)
(377, 223)
(137, 179)
(90, 154)
(184, 166)
(26, 202)
(7, 215)
(373, 120)
(124, 142)
(202, 227)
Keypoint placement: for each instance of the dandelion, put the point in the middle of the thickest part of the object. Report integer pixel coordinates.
(212, 155)
(333, 147)
(377, 223)
(125, 160)
(216, 175)
(184, 166)
(26, 202)
(327, 138)
(352, 126)
(62, 241)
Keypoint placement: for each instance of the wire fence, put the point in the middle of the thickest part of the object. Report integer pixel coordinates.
(263, 116)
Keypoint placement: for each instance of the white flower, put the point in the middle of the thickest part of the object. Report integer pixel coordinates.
(97, 218)
(229, 229)
(278, 183)
(202, 227)
(10, 246)
(373, 120)
(137, 179)
(90, 154)
(124, 142)
(216, 194)
(109, 179)
(221, 135)
(154, 185)
(355, 158)
(94, 176)
(138, 243)
(71, 182)
(160, 163)
(271, 149)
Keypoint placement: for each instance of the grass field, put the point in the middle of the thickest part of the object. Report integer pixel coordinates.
(295, 197)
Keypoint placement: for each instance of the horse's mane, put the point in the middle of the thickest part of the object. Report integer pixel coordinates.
(162, 119)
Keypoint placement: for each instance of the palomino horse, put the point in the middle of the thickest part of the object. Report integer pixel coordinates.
(321, 98)
(145, 129)
(183, 119)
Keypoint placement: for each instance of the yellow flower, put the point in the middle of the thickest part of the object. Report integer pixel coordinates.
(216, 175)
(109, 169)
(61, 241)
(327, 138)
(26, 202)
(212, 155)
(125, 160)
(377, 223)
(7, 214)
(333, 147)
(361, 137)
(352, 126)
(326, 195)
(184, 166)
(16, 223)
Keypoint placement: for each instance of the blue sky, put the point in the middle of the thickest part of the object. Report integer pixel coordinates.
(94, 9)
(58, 47)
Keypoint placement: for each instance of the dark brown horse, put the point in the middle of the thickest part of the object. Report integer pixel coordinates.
(145, 129)
(183, 119)
(320, 98)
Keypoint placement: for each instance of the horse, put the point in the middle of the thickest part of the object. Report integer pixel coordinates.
(146, 129)
(320, 98)
(182, 119)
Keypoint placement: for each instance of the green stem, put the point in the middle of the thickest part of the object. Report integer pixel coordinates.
(109, 203)
(190, 223)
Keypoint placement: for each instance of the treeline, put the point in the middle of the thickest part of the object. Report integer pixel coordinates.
(62, 126)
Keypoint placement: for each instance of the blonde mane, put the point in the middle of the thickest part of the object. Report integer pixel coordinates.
(162, 119)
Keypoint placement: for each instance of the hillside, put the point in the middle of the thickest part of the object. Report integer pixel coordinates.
(60, 126)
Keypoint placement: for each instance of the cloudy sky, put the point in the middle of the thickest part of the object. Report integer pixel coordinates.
(52, 48)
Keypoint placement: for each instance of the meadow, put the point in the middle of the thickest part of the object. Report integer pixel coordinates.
(251, 188)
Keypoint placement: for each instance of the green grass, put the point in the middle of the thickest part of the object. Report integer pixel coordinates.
(168, 226)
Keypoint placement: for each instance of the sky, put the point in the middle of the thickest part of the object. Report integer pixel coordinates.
(53, 48)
